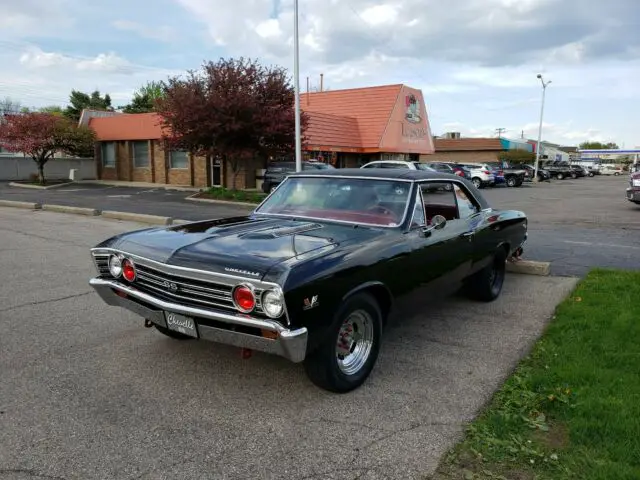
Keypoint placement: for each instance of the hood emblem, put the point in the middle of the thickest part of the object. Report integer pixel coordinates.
(170, 286)
(241, 272)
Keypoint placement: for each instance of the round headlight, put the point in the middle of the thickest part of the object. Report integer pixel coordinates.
(272, 303)
(243, 298)
(115, 266)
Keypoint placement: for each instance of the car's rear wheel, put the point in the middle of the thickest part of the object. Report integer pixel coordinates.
(477, 182)
(346, 358)
(172, 334)
(486, 285)
(560, 176)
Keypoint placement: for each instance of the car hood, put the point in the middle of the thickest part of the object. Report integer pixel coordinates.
(244, 246)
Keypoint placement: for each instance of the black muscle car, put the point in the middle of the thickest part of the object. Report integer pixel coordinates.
(315, 271)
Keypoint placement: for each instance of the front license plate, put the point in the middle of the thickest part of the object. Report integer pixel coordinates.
(182, 324)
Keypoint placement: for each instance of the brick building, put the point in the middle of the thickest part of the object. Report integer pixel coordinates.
(346, 128)
(470, 150)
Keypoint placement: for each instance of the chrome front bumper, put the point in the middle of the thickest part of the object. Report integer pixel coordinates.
(290, 344)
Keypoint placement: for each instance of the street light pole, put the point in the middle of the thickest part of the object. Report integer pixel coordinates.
(544, 89)
(296, 74)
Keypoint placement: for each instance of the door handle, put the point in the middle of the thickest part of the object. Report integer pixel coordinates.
(468, 234)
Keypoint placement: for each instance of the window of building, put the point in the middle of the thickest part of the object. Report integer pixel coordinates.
(178, 159)
(108, 154)
(140, 154)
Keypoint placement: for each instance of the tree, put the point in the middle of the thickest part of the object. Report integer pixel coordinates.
(41, 135)
(235, 109)
(53, 109)
(80, 100)
(144, 99)
(9, 106)
(517, 156)
(598, 146)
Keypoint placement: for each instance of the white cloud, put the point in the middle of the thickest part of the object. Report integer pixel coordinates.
(160, 33)
(35, 58)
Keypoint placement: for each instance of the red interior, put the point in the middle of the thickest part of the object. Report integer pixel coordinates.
(373, 217)
(450, 212)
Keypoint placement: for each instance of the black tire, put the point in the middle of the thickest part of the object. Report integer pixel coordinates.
(616, 174)
(591, 174)
(323, 366)
(486, 285)
(511, 181)
(477, 182)
(560, 176)
(574, 175)
(173, 334)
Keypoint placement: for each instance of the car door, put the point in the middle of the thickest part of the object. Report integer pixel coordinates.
(441, 255)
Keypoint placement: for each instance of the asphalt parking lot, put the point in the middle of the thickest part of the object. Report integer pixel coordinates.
(88, 393)
(574, 224)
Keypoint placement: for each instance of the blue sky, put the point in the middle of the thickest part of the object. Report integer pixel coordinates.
(475, 60)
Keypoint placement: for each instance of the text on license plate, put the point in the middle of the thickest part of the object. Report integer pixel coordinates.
(181, 323)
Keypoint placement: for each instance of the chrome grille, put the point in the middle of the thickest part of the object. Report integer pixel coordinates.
(102, 263)
(187, 291)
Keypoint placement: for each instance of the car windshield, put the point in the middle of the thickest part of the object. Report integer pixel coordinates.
(376, 202)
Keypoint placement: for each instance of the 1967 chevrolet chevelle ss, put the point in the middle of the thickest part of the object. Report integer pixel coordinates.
(315, 270)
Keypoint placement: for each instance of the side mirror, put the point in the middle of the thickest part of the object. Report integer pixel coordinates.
(438, 222)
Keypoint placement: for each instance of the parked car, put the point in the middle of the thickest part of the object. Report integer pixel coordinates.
(513, 176)
(543, 174)
(611, 170)
(481, 176)
(398, 164)
(277, 171)
(633, 190)
(558, 171)
(461, 170)
(314, 272)
(443, 167)
(587, 170)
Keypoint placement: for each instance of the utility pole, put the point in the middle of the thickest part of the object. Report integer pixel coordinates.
(544, 89)
(296, 74)
(499, 131)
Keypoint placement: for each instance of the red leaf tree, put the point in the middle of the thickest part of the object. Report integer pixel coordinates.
(41, 135)
(236, 109)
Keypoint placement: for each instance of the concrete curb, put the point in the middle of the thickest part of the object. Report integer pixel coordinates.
(92, 212)
(179, 188)
(39, 187)
(529, 267)
(224, 202)
(137, 217)
(14, 204)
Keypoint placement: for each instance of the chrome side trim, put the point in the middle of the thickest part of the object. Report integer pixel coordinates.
(291, 344)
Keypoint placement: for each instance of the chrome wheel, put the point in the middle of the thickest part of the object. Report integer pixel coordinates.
(355, 341)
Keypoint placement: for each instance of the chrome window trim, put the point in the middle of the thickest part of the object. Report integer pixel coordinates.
(343, 222)
(195, 274)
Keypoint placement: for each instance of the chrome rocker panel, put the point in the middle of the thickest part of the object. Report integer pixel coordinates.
(290, 344)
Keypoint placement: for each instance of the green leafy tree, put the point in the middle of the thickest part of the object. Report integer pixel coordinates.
(145, 98)
(52, 109)
(517, 157)
(80, 100)
(598, 146)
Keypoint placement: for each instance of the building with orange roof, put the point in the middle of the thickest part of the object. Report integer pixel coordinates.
(347, 128)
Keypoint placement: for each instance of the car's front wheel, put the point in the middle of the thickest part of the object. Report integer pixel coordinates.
(346, 358)
(511, 181)
(560, 176)
(486, 285)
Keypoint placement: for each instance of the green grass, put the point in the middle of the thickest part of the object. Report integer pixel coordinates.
(572, 407)
(218, 193)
